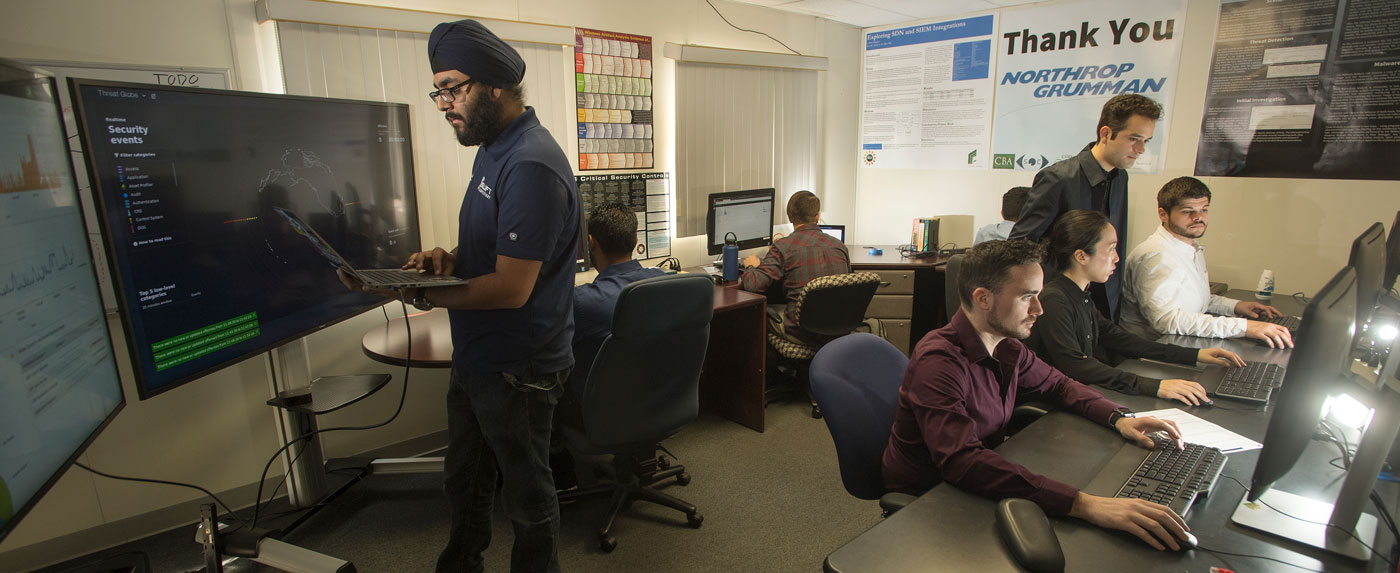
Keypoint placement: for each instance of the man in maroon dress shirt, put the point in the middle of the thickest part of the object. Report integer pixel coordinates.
(963, 381)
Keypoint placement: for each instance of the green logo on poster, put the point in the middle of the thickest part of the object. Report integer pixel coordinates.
(972, 157)
(1004, 161)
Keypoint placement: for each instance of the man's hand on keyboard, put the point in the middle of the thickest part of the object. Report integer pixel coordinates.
(437, 261)
(1220, 357)
(1136, 429)
(1184, 391)
(1276, 336)
(1154, 523)
(1251, 309)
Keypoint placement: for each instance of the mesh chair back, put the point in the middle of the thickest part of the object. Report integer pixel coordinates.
(834, 305)
(951, 300)
(645, 382)
(855, 380)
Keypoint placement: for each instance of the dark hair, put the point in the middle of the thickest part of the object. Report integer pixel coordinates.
(614, 226)
(1120, 108)
(1074, 231)
(1181, 189)
(804, 207)
(1013, 201)
(987, 264)
(515, 92)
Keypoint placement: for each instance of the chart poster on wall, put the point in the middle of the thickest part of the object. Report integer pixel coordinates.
(1057, 65)
(1304, 89)
(612, 80)
(648, 194)
(927, 97)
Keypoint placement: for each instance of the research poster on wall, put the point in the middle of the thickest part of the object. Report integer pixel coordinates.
(612, 80)
(1057, 65)
(927, 97)
(1304, 88)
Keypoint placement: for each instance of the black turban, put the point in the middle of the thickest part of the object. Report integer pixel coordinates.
(468, 47)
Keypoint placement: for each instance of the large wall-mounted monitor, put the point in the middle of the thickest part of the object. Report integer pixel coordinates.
(58, 379)
(186, 180)
(747, 214)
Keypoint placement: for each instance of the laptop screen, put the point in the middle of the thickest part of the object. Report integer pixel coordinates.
(836, 231)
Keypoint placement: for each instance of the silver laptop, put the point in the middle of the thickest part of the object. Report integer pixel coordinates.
(377, 278)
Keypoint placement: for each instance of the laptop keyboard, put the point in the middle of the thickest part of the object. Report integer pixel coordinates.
(1175, 478)
(397, 276)
(1253, 383)
(1289, 322)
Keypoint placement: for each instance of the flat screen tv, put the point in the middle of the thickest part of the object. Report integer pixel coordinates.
(58, 378)
(185, 181)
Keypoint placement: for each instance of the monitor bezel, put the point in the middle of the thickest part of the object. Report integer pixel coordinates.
(19, 513)
(143, 390)
(714, 249)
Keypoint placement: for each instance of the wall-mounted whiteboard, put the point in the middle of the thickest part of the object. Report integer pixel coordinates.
(163, 75)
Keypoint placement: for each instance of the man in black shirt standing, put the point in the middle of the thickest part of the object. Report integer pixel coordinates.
(1097, 180)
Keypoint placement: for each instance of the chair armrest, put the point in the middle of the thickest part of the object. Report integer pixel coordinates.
(1030, 411)
(892, 502)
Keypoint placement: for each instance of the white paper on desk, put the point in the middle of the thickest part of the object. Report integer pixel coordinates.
(1198, 431)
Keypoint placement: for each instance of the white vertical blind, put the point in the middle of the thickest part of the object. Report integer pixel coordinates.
(743, 127)
(392, 66)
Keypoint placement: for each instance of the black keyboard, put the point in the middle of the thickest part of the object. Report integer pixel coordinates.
(1289, 322)
(1253, 383)
(1175, 478)
(402, 276)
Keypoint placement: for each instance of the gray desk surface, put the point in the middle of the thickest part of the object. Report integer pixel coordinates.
(948, 529)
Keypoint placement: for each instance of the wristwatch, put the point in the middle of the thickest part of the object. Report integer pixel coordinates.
(419, 301)
(1118, 414)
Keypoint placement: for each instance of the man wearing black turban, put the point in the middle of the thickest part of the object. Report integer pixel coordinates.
(512, 323)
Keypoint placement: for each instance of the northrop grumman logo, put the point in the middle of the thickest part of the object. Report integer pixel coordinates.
(483, 188)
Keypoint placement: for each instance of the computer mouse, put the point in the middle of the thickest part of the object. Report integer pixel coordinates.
(1028, 536)
(1189, 543)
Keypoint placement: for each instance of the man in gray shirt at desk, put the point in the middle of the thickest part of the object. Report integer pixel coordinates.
(963, 381)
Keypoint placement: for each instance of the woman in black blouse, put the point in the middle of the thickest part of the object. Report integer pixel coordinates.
(1076, 339)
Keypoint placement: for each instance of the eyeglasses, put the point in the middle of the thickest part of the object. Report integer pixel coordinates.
(447, 93)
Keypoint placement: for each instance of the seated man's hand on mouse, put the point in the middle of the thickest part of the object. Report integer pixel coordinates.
(1155, 524)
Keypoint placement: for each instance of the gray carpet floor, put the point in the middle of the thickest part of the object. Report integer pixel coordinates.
(771, 502)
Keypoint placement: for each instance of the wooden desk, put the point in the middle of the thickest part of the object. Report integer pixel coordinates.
(910, 298)
(731, 384)
(432, 341)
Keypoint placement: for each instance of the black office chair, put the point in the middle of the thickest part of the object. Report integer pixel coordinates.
(643, 387)
(856, 381)
(1023, 414)
(826, 308)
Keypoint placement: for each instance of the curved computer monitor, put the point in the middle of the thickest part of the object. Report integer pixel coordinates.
(1368, 258)
(747, 214)
(1316, 369)
(58, 379)
(186, 182)
(1392, 255)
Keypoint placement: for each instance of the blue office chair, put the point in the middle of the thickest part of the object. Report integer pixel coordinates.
(644, 385)
(855, 380)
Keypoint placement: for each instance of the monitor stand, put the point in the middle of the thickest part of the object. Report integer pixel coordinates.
(1307, 524)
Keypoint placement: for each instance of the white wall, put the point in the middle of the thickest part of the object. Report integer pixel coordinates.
(1301, 229)
(217, 432)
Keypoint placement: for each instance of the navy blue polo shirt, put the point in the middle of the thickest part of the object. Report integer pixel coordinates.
(521, 202)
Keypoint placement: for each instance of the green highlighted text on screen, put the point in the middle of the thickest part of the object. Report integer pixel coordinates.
(191, 345)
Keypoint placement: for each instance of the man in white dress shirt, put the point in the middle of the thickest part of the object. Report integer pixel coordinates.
(1165, 286)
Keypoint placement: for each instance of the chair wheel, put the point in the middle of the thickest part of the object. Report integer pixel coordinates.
(817, 412)
(662, 462)
(607, 543)
(683, 479)
(694, 519)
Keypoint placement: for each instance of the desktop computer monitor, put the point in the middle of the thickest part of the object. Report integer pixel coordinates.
(1368, 258)
(186, 181)
(1316, 369)
(837, 232)
(746, 214)
(58, 377)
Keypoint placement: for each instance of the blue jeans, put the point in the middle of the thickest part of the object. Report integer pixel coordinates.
(498, 420)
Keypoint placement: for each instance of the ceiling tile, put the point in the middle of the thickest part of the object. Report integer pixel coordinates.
(849, 12)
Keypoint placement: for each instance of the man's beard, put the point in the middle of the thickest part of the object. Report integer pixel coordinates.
(1001, 329)
(482, 123)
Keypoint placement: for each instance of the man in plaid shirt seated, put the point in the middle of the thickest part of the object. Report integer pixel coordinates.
(794, 260)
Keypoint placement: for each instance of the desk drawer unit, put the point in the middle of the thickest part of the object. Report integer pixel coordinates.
(893, 304)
